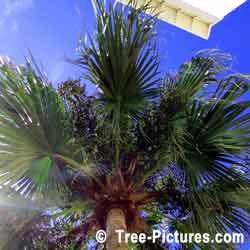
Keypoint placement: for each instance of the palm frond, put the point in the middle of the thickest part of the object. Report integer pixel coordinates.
(163, 127)
(219, 131)
(203, 69)
(121, 60)
(35, 136)
(211, 148)
(219, 207)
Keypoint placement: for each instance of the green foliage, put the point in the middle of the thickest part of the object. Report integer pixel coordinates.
(219, 131)
(118, 148)
(121, 61)
(207, 136)
(34, 130)
(72, 211)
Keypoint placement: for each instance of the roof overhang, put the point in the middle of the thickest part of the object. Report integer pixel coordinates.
(195, 16)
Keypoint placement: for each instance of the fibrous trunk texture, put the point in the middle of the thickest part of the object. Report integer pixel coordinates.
(115, 221)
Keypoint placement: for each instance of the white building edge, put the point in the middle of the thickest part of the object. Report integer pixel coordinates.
(195, 16)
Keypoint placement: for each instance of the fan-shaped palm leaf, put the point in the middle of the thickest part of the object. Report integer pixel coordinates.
(122, 61)
(35, 136)
(219, 132)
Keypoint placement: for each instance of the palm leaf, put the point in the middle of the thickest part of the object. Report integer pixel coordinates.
(165, 125)
(121, 60)
(35, 136)
(219, 132)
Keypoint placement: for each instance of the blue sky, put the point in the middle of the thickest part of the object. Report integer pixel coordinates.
(50, 29)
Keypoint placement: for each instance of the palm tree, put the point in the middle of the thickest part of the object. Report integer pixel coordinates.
(142, 151)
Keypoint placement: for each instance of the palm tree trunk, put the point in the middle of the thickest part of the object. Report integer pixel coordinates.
(115, 221)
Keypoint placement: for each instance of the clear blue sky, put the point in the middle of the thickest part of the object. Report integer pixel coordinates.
(50, 28)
